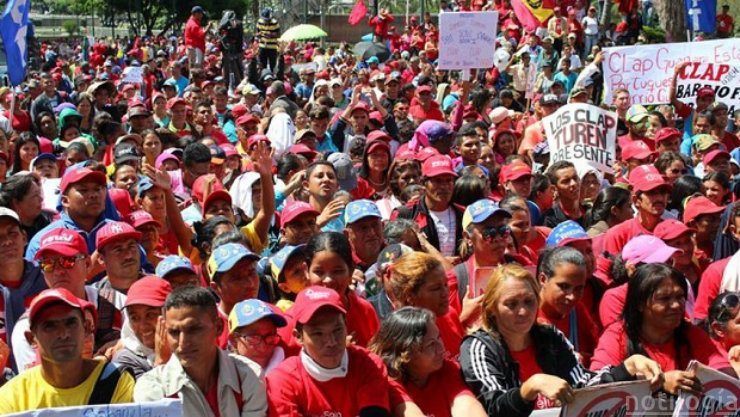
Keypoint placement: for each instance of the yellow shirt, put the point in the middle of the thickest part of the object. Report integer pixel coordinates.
(29, 391)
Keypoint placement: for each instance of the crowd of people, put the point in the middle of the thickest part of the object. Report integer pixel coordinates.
(270, 228)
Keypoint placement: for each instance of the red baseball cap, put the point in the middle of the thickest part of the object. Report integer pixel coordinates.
(670, 229)
(424, 88)
(667, 133)
(405, 155)
(425, 153)
(238, 110)
(646, 178)
(302, 149)
(149, 290)
(437, 165)
(247, 118)
(174, 101)
(254, 139)
(140, 218)
(217, 190)
(514, 171)
(79, 175)
(361, 106)
(51, 296)
(378, 143)
(61, 241)
(711, 156)
(378, 135)
(697, 206)
(705, 92)
(636, 149)
(229, 150)
(311, 299)
(376, 117)
(294, 209)
(113, 231)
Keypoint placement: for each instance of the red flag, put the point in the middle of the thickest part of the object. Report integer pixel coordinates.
(359, 11)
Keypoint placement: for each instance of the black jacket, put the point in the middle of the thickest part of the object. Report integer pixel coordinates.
(419, 213)
(491, 372)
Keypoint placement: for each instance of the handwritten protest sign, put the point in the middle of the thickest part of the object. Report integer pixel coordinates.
(646, 70)
(467, 40)
(133, 75)
(721, 395)
(161, 408)
(618, 399)
(723, 78)
(582, 132)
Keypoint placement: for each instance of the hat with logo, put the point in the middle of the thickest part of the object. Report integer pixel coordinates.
(114, 231)
(125, 152)
(51, 296)
(667, 133)
(646, 178)
(636, 113)
(280, 259)
(565, 233)
(437, 165)
(250, 311)
(670, 229)
(647, 249)
(71, 177)
(360, 209)
(345, 169)
(705, 92)
(140, 218)
(700, 205)
(173, 263)
(149, 290)
(294, 209)
(61, 241)
(636, 149)
(217, 190)
(549, 99)
(218, 156)
(480, 211)
(514, 171)
(224, 257)
(311, 299)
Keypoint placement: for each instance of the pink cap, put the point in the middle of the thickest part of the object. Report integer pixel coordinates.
(114, 231)
(717, 153)
(174, 101)
(647, 249)
(667, 133)
(378, 135)
(254, 139)
(247, 118)
(61, 241)
(294, 209)
(311, 299)
(302, 149)
(361, 106)
(437, 165)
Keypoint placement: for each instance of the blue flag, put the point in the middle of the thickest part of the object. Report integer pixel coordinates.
(14, 31)
(701, 15)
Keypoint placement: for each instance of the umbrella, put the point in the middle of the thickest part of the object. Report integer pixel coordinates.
(301, 32)
(366, 50)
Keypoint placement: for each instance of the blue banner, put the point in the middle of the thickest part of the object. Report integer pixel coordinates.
(14, 31)
(701, 15)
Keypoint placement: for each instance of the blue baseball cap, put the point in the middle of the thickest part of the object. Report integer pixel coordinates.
(225, 257)
(480, 211)
(278, 261)
(566, 232)
(170, 83)
(439, 130)
(373, 60)
(360, 209)
(41, 157)
(172, 263)
(145, 184)
(250, 311)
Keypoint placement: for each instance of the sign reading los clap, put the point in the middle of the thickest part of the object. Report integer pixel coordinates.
(582, 132)
(647, 70)
(723, 78)
(467, 40)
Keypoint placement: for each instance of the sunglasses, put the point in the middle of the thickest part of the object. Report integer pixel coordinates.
(727, 305)
(490, 233)
(65, 262)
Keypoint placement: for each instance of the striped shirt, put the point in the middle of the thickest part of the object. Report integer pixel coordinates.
(269, 32)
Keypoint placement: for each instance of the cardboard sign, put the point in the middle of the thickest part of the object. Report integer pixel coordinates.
(619, 399)
(723, 78)
(646, 70)
(583, 132)
(479, 281)
(161, 408)
(721, 395)
(467, 40)
(134, 75)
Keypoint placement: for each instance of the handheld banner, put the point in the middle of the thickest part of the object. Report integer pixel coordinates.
(467, 40)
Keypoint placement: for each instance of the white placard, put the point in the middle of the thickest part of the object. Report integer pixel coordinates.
(161, 408)
(134, 75)
(646, 70)
(583, 132)
(723, 78)
(467, 40)
(721, 395)
(618, 399)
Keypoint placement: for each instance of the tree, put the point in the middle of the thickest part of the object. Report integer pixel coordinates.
(672, 16)
(71, 27)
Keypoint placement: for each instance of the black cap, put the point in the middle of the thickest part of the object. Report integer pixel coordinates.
(196, 9)
(125, 152)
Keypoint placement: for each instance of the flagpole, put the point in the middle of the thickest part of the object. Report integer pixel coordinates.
(12, 110)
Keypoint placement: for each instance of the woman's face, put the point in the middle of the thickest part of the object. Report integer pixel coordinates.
(378, 160)
(505, 145)
(685, 243)
(257, 341)
(491, 246)
(665, 307)
(429, 357)
(152, 146)
(564, 289)
(126, 178)
(301, 120)
(590, 187)
(516, 309)
(674, 171)
(160, 104)
(487, 158)
(433, 293)
(153, 202)
(322, 182)
(520, 225)
(74, 156)
(715, 192)
(328, 269)
(731, 331)
(655, 125)
(48, 128)
(170, 165)
(28, 151)
(70, 133)
(31, 203)
(84, 107)
(143, 320)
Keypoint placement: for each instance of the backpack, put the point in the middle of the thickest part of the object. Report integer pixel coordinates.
(106, 385)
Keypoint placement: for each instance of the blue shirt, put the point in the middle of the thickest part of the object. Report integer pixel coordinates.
(569, 80)
(182, 84)
(66, 222)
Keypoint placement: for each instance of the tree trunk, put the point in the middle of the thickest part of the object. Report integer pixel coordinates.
(605, 20)
(672, 16)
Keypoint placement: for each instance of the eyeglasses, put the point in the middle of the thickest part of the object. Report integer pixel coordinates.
(65, 262)
(490, 233)
(256, 339)
(727, 305)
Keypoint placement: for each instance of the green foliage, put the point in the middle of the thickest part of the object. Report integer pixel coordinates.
(71, 27)
(653, 34)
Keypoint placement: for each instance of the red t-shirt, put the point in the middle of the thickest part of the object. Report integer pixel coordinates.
(452, 332)
(292, 392)
(612, 305)
(532, 248)
(724, 23)
(612, 350)
(434, 113)
(528, 366)
(195, 36)
(223, 338)
(709, 284)
(729, 140)
(436, 398)
(21, 120)
(212, 399)
(618, 236)
(588, 331)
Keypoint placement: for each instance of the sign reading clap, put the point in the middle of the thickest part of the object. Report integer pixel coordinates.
(582, 132)
(723, 78)
(721, 395)
(467, 40)
(647, 70)
(161, 408)
(619, 399)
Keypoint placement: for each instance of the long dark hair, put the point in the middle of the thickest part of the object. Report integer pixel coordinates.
(332, 242)
(25, 137)
(640, 289)
(684, 186)
(606, 199)
(364, 170)
(401, 334)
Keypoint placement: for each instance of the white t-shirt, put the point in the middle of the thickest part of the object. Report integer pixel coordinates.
(590, 26)
(446, 225)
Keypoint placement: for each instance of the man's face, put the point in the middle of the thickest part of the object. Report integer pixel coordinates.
(48, 85)
(721, 117)
(366, 237)
(300, 229)
(46, 168)
(671, 144)
(58, 333)
(469, 148)
(121, 258)
(12, 240)
(360, 119)
(439, 189)
(246, 130)
(84, 199)
(401, 111)
(220, 101)
(256, 341)
(639, 128)
(622, 101)
(192, 335)
(69, 272)
(652, 202)
(179, 113)
(720, 164)
(568, 184)
(239, 283)
(702, 125)
(391, 89)
(204, 115)
(324, 337)
(319, 126)
(424, 97)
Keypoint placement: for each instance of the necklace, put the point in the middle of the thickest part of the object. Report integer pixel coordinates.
(377, 184)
